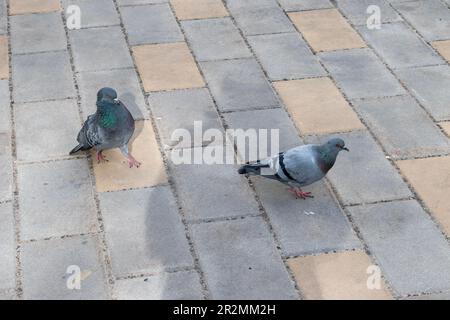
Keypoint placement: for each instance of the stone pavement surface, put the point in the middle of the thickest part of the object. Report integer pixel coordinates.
(378, 227)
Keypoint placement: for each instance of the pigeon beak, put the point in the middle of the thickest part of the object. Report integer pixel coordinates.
(346, 149)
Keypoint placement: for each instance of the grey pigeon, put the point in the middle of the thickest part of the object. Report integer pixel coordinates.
(299, 166)
(110, 127)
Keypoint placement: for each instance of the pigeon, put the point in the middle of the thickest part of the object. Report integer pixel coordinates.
(299, 166)
(110, 127)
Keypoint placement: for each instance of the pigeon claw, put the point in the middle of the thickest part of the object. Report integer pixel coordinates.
(100, 157)
(300, 194)
(133, 162)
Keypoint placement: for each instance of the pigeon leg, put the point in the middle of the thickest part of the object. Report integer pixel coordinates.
(299, 193)
(131, 160)
(100, 157)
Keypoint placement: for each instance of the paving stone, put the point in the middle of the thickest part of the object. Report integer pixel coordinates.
(3, 17)
(256, 120)
(364, 174)
(415, 135)
(4, 58)
(37, 32)
(203, 37)
(356, 11)
(399, 46)
(299, 5)
(7, 247)
(184, 285)
(446, 127)
(45, 129)
(150, 24)
(429, 85)
(5, 110)
(179, 109)
(5, 167)
(42, 76)
(150, 237)
(431, 18)
(46, 188)
(99, 49)
(326, 30)
(116, 175)
(167, 66)
(341, 275)
(429, 177)
(238, 84)
(198, 9)
(360, 74)
(259, 17)
(317, 106)
(305, 227)
(45, 269)
(407, 245)
(90, 10)
(285, 56)
(240, 261)
(8, 294)
(443, 47)
(33, 6)
(137, 2)
(124, 81)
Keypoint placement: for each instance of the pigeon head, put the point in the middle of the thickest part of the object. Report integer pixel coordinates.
(107, 94)
(336, 145)
(328, 151)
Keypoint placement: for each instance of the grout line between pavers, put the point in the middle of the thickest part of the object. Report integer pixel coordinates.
(168, 270)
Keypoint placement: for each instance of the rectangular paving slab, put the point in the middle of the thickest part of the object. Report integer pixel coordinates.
(7, 247)
(144, 231)
(3, 17)
(4, 57)
(32, 6)
(238, 84)
(306, 226)
(137, 2)
(5, 110)
(400, 46)
(198, 9)
(360, 74)
(46, 272)
(364, 174)
(430, 86)
(413, 255)
(90, 12)
(6, 171)
(285, 56)
(203, 36)
(356, 11)
(415, 135)
(240, 260)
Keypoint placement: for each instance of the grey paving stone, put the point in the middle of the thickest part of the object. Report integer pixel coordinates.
(285, 56)
(299, 5)
(5, 167)
(356, 11)
(306, 226)
(409, 248)
(94, 13)
(179, 109)
(45, 269)
(213, 191)
(399, 46)
(215, 39)
(7, 247)
(150, 24)
(42, 76)
(430, 86)
(363, 174)
(166, 286)
(360, 74)
(136, 2)
(56, 199)
(240, 261)
(99, 49)
(256, 120)
(259, 17)
(37, 32)
(431, 18)
(5, 110)
(403, 127)
(150, 236)
(238, 84)
(46, 129)
(3, 17)
(124, 81)
(8, 294)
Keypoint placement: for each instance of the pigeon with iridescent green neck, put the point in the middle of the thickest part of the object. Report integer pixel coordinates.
(299, 166)
(110, 127)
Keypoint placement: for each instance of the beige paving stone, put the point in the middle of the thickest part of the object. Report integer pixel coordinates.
(446, 127)
(116, 175)
(443, 47)
(33, 6)
(326, 30)
(317, 106)
(430, 178)
(341, 275)
(167, 66)
(4, 58)
(198, 9)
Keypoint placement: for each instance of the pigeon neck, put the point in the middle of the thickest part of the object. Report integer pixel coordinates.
(327, 157)
(107, 114)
